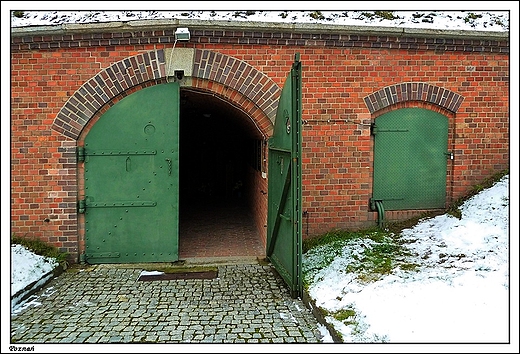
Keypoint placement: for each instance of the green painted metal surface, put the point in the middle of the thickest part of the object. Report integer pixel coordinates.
(284, 236)
(410, 159)
(131, 179)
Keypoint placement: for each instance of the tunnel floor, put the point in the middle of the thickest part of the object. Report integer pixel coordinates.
(218, 229)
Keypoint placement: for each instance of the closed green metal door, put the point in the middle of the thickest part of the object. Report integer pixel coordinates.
(131, 179)
(410, 159)
(284, 237)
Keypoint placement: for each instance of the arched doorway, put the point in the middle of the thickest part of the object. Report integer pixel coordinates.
(269, 110)
(170, 174)
(205, 72)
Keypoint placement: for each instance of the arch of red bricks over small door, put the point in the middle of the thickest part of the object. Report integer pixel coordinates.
(120, 76)
(413, 91)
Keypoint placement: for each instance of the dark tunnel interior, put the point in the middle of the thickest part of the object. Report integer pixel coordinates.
(216, 142)
(216, 150)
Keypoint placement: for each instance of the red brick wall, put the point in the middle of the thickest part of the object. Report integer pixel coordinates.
(342, 75)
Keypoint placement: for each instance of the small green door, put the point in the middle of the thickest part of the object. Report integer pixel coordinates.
(131, 179)
(410, 159)
(284, 236)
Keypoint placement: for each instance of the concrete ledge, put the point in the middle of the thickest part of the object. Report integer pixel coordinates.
(186, 262)
(192, 24)
(35, 286)
(318, 314)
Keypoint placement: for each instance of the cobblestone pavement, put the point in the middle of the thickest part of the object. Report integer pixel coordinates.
(246, 303)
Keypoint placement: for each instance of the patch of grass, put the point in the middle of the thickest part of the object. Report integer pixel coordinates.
(471, 18)
(346, 316)
(387, 15)
(382, 15)
(337, 238)
(40, 248)
(364, 15)
(349, 317)
(380, 257)
(243, 14)
(381, 252)
(317, 15)
(412, 267)
(385, 254)
(498, 21)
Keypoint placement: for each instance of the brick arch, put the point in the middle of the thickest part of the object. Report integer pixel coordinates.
(225, 71)
(415, 104)
(413, 91)
(236, 74)
(263, 123)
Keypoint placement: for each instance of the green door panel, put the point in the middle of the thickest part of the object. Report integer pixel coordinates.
(410, 159)
(284, 236)
(131, 179)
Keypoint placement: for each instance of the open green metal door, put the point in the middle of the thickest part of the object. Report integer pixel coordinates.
(284, 236)
(131, 179)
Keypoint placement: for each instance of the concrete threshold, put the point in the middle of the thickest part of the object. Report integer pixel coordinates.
(187, 262)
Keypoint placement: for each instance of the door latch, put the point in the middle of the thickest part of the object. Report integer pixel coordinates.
(169, 161)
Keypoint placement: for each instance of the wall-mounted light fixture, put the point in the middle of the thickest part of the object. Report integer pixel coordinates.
(182, 34)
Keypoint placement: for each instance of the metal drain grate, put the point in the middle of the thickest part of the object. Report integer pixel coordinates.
(212, 274)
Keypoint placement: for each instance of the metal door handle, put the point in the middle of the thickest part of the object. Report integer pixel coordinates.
(127, 163)
(285, 217)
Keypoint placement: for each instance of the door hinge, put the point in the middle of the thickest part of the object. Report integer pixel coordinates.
(449, 155)
(373, 129)
(81, 206)
(80, 153)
